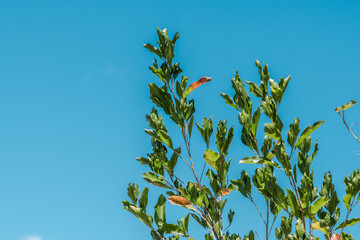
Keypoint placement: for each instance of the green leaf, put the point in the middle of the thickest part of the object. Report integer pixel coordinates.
(173, 229)
(143, 160)
(272, 131)
(161, 98)
(207, 130)
(259, 160)
(307, 131)
(346, 106)
(146, 219)
(133, 192)
(255, 122)
(299, 229)
(158, 72)
(347, 200)
(159, 216)
(175, 38)
(317, 205)
(275, 209)
(349, 223)
(176, 70)
(229, 100)
(316, 226)
(243, 185)
(293, 203)
(190, 126)
(184, 223)
(211, 158)
(275, 90)
(152, 178)
(231, 216)
(294, 132)
(143, 200)
(255, 89)
(165, 138)
(153, 49)
(174, 158)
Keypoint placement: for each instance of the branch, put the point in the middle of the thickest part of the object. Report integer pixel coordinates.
(251, 199)
(348, 128)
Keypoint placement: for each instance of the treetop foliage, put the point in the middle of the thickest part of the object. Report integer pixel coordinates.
(294, 210)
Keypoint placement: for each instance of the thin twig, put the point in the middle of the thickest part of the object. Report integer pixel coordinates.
(202, 172)
(251, 199)
(348, 213)
(267, 219)
(348, 128)
(182, 158)
(257, 235)
(272, 224)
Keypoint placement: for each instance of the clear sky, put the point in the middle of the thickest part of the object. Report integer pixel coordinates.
(73, 96)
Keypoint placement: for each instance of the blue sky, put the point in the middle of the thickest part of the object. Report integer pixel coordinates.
(73, 96)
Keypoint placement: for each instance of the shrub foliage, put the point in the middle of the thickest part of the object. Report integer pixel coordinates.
(299, 208)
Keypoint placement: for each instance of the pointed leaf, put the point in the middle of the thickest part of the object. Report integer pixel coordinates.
(165, 138)
(159, 216)
(317, 205)
(173, 229)
(228, 100)
(272, 131)
(255, 89)
(153, 49)
(346, 106)
(347, 200)
(143, 200)
(348, 223)
(307, 131)
(191, 124)
(138, 213)
(259, 160)
(196, 84)
(255, 122)
(152, 178)
(180, 201)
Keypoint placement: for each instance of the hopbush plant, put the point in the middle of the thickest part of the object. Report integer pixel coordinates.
(304, 210)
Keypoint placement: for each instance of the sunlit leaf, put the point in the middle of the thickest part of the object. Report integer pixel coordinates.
(316, 226)
(211, 158)
(225, 192)
(317, 205)
(272, 130)
(152, 49)
(259, 160)
(228, 100)
(348, 223)
(160, 219)
(346, 106)
(196, 84)
(152, 178)
(180, 201)
(307, 131)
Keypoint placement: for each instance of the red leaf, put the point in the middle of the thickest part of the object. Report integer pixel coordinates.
(196, 84)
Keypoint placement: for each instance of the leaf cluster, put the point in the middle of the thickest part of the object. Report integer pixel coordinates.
(294, 210)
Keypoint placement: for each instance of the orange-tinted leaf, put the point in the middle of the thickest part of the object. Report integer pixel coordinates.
(196, 84)
(180, 201)
(225, 192)
(336, 237)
